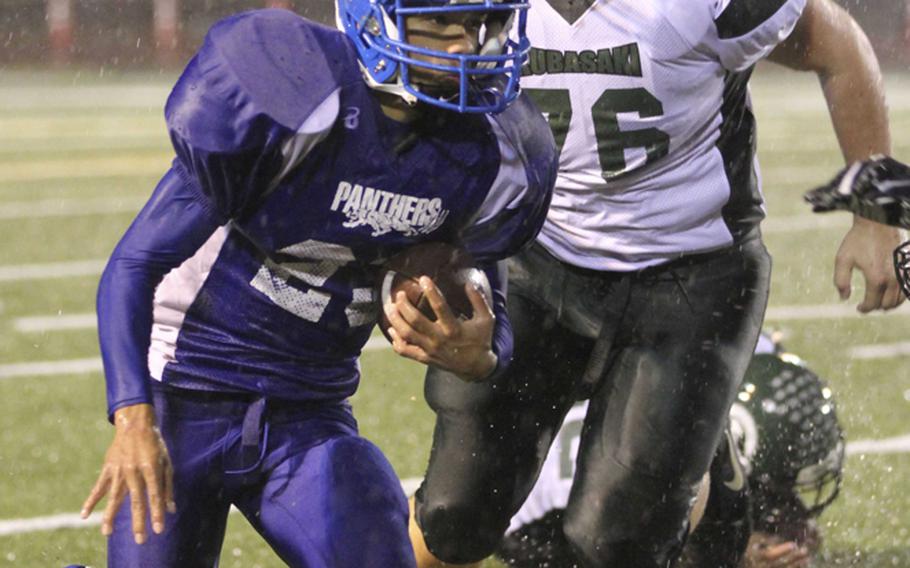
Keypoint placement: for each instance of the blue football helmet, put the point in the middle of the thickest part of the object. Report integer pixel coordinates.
(488, 80)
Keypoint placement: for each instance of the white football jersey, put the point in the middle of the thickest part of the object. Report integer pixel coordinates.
(648, 103)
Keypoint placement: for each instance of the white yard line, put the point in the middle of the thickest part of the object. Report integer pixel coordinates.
(48, 523)
(68, 207)
(100, 97)
(798, 312)
(84, 168)
(48, 270)
(880, 351)
(896, 445)
(825, 312)
(803, 223)
(45, 368)
(93, 364)
(41, 324)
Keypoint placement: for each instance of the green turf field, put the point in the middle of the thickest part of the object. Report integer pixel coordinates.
(78, 155)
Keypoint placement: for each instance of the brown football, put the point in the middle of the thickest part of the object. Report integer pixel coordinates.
(450, 268)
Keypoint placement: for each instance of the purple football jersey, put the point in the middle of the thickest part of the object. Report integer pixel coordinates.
(252, 267)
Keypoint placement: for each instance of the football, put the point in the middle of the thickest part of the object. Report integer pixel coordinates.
(450, 267)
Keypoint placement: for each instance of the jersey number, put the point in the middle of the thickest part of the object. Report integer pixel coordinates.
(611, 141)
(318, 261)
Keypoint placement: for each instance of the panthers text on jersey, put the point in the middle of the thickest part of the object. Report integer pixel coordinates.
(251, 269)
(649, 106)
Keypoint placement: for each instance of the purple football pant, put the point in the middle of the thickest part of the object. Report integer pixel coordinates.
(318, 493)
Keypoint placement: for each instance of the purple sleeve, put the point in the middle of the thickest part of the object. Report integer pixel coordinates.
(516, 208)
(502, 333)
(171, 227)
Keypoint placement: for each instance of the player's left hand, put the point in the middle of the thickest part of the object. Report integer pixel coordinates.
(463, 347)
(136, 467)
(868, 247)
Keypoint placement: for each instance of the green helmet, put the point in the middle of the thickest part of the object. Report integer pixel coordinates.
(787, 428)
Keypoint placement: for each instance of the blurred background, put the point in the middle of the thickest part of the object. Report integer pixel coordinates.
(161, 34)
(83, 142)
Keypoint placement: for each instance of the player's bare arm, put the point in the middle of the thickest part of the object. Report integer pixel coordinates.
(136, 465)
(463, 347)
(829, 42)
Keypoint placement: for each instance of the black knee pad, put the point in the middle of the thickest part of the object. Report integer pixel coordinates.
(458, 534)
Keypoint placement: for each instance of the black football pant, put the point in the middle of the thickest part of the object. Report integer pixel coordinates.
(660, 353)
(720, 540)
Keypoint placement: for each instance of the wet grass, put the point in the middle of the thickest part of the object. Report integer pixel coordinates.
(60, 143)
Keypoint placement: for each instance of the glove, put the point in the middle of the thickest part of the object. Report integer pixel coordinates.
(877, 189)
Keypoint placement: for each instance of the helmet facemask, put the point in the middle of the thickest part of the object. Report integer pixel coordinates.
(817, 486)
(487, 80)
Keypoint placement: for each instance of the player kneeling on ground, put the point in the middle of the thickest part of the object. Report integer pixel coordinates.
(233, 311)
(787, 454)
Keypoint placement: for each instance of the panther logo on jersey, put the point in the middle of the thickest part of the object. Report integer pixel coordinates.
(385, 211)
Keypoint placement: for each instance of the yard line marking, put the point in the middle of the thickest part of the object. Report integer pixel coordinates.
(48, 270)
(802, 223)
(135, 96)
(45, 368)
(881, 351)
(94, 365)
(825, 312)
(377, 343)
(67, 169)
(40, 324)
(48, 523)
(68, 207)
(895, 445)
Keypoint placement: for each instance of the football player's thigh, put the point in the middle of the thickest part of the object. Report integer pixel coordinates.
(491, 437)
(652, 428)
(194, 534)
(336, 504)
(692, 342)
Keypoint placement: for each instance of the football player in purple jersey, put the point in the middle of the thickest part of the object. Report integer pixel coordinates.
(233, 311)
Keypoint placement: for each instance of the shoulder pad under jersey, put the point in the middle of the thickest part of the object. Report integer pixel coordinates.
(265, 63)
(259, 78)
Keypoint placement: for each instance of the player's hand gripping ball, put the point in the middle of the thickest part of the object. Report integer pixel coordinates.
(451, 268)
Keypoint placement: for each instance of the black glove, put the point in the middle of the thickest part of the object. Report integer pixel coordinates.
(877, 189)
